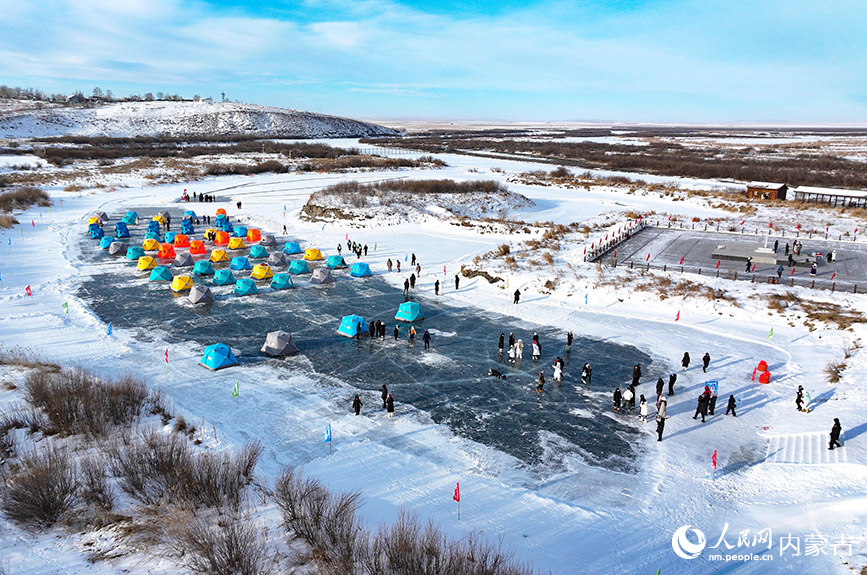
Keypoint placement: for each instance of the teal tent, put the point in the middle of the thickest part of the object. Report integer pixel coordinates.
(170, 237)
(203, 268)
(218, 356)
(352, 324)
(224, 277)
(105, 241)
(152, 236)
(299, 267)
(258, 252)
(240, 263)
(187, 227)
(190, 215)
(409, 311)
(240, 232)
(292, 248)
(281, 281)
(334, 262)
(130, 219)
(161, 274)
(134, 253)
(120, 230)
(246, 286)
(96, 233)
(154, 226)
(360, 270)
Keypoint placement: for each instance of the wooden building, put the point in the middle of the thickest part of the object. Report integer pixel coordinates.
(831, 196)
(767, 191)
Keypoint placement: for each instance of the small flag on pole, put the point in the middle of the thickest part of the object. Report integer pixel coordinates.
(374, 246)
(457, 495)
(647, 259)
(754, 374)
(28, 291)
(681, 260)
(327, 434)
(678, 316)
(167, 355)
(793, 271)
(585, 299)
(743, 222)
(235, 390)
(323, 227)
(405, 257)
(754, 267)
(713, 460)
(444, 270)
(833, 274)
(718, 262)
(10, 241)
(109, 328)
(65, 307)
(771, 334)
(33, 223)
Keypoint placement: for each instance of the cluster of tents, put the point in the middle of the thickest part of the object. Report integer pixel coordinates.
(220, 356)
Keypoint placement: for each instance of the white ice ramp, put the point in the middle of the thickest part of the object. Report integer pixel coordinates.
(803, 449)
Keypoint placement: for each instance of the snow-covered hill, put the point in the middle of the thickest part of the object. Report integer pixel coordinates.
(130, 119)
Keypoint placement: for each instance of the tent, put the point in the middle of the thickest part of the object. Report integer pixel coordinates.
(160, 274)
(117, 249)
(258, 252)
(130, 218)
(220, 220)
(159, 219)
(94, 220)
(182, 283)
(240, 232)
(299, 267)
(183, 260)
(96, 233)
(120, 230)
(146, 263)
(164, 214)
(224, 277)
(321, 276)
(133, 253)
(262, 272)
(282, 281)
(152, 236)
(291, 248)
(360, 270)
(246, 286)
(313, 255)
(279, 343)
(167, 252)
(182, 241)
(267, 240)
(210, 231)
(200, 294)
(254, 235)
(105, 241)
(203, 268)
(187, 227)
(236, 244)
(219, 256)
(190, 215)
(240, 263)
(150, 245)
(222, 238)
(154, 227)
(169, 238)
(218, 356)
(102, 216)
(352, 324)
(334, 262)
(277, 259)
(221, 212)
(409, 311)
(197, 247)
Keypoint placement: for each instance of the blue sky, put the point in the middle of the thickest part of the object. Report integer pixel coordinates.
(673, 61)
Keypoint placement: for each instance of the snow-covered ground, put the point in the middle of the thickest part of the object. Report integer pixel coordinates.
(774, 471)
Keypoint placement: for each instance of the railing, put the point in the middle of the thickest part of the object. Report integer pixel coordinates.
(761, 232)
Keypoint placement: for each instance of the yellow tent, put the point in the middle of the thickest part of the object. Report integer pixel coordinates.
(313, 255)
(181, 283)
(237, 244)
(159, 218)
(262, 272)
(209, 230)
(146, 263)
(94, 220)
(150, 245)
(219, 256)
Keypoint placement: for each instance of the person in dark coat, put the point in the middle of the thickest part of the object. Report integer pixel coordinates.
(776, 245)
(705, 361)
(496, 373)
(749, 265)
(780, 271)
(660, 385)
(412, 281)
(701, 407)
(617, 397)
(406, 287)
(426, 339)
(636, 374)
(384, 394)
(660, 427)
(437, 287)
(396, 332)
(799, 398)
(711, 403)
(457, 281)
(501, 342)
(586, 374)
(365, 249)
(835, 434)
(517, 295)
(632, 397)
(389, 405)
(412, 263)
(731, 406)
(511, 339)
(356, 405)
(371, 329)
(685, 361)
(787, 248)
(569, 338)
(541, 382)
(671, 379)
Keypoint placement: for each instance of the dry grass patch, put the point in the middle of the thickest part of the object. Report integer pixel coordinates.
(834, 369)
(815, 311)
(7, 222)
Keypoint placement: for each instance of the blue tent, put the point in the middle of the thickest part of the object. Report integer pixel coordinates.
(154, 226)
(299, 267)
(120, 230)
(161, 274)
(292, 248)
(241, 232)
(240, 263)
(187, 227)
(226, 226)
(152, 236)
(134, 253)
(351, 324)
(170, 237)
(258, 252)
(105, 241)
(281, 281)
(409, 311)
(218, 356)
(246, 286)
(220, 218)
(360, 270)
(130, 218)
(335, 262)
(190, 215)
(93, 226)
(224, 277)
(203, 268)
(97, 233)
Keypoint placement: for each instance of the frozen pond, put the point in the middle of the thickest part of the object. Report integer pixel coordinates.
(566, 424)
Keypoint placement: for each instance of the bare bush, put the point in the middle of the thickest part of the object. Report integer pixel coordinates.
(7, 222)
(834, 369)
(503, 250)
(96, 490)
(226, 544)
(44, 487)
(19, 357)
(23, 198)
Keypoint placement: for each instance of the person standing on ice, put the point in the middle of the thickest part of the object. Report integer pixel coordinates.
(776, 245)
(457, 281)
(339, 247)
(787, 248)
(356, 405)
(705, 361)
(569, 340)
(418, 270)
(389, 406)
(501, 343)
(731, 406)
(388, 264)
(659, 386)
(780, 271)
(411, 334)
(517, 295)
(671, 379)
(437, 287)
(586, 373)
(519, 349)
(685, 361)
(397, 261)
(412, 263)
(384, 394)
(426, 339)
(617, 397)
(537, 351)
(701, 407)
(628, 399)
(660, 427)
(365, 250)
(541, 382)
(396, 332)
(833, 256)
(558, 372)
(749, 265)
(835, 434)
(813, 270)
(412, 281)
(662, 408)
(642, 409)
(511, 339)
(406, 287)
(511, 354)
(799, 398)
(636, 374)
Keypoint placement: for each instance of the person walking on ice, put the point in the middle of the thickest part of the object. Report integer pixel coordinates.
(541, 382)
(396, 332)
(685, 361)
(517, 295)
(356, 405)
(642, 409)
(384, 394)
(519, 349)
(586, 374)
(569, 338)
(731, 406)
(835, 434)
(389, 406)
(437, 287)
(628, 396)
(705, 360)
(426, 339)
(537, 351)
(617, 397)
(558, 372)
(501, 343)
(457, 281)
(671, 379)
(799, 398)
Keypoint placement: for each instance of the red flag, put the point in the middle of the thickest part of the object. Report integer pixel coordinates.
(669, 218)
(678, 316)
(167, 355)
(444, 270)
(713, 460)
(585, 250)
(793, 272)
(647, 259)
(856, 230)
(681, 260)
(771, 225)
(457, 495)
(799, 226)
(615, 254)
(754, 267)
(33, 223)
(833, 274)
(27, 291)
(754, 373)
(718, 262)
(826, 229)
(743, 222)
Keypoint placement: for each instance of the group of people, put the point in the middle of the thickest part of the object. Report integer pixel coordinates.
(387, 402)
(516, 347)
(209, 198)
(376, 329)
(353, 247)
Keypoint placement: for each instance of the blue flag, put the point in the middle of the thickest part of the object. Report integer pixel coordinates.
(405, 257)
(109, 328)
(585, 299)
(10, 241)
(327, 434)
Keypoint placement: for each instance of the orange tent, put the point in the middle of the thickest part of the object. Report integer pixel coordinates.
(254, 236)
(197, 247)
(763, 366)
(222, 212)
(167, 252)
(182, 241)
(222, 239)
(765, 377)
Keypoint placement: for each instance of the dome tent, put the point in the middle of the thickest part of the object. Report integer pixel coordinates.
(240, 263)
(183, 260)
(240, 232)
(267, 241)
(160, 274)
(236, 244)
(187, 227)
(350, 325)
(224, 277)
(167, 252)
(182, 241)
(334, 262)
(94, 221)
(262, 272)
(197, 247)
(146, 263)
(360, 270)
(164, 214)
(130, 218)
(133, 253)
(409, 311)
(246, 286)
(279, 343)
(299, 267)
(258, 252)
(282, 281)
(117, 249)
(313, 255)
(102, 216)
(105, 241)
(200, 294)
(203, 268)
(218, 356)
(190, 215)
(219, 256)
(154, 226)
(182, 283)
(150, 245)
(277, 259)
(120, 230)
(321, 276)
(222, 212)
(96, 233)
(292, 248)
(170, 237)
(221, 238)
(152, 236)
(254, 235)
